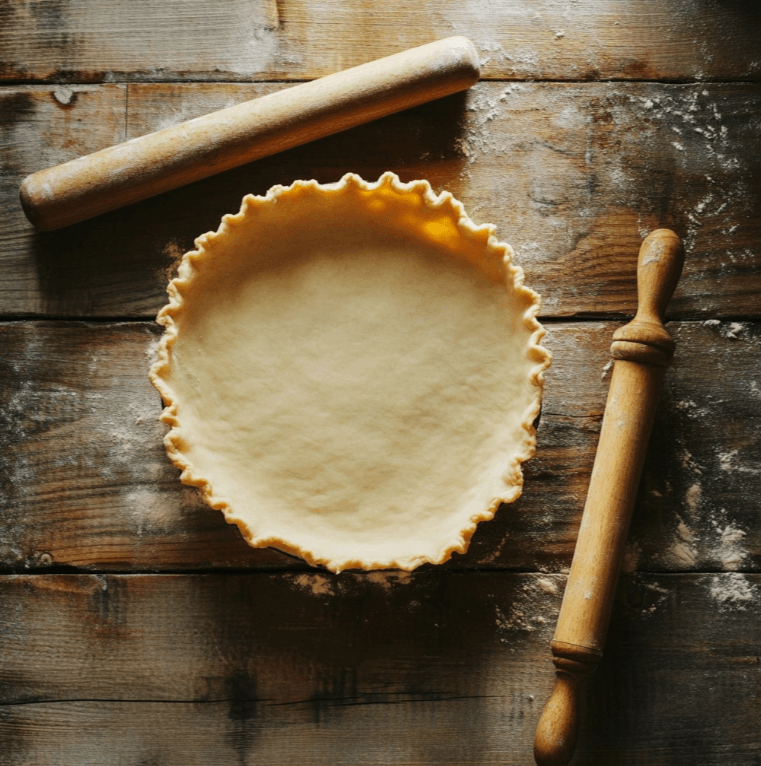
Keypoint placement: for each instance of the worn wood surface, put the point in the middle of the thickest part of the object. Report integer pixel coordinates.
(429, 668)
(642, 351)
(228, 138)
(89, 484)
(573, 176)
(596, 122)
(96, 41)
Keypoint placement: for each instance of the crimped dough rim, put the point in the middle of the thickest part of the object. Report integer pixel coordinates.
(416, 191)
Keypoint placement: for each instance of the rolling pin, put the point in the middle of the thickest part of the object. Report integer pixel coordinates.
(642, 350)
(196, 149)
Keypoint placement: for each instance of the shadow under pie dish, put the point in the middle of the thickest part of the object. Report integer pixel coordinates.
(351, 371)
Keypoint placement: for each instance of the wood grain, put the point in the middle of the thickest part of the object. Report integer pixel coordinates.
(573, 176)
(643, 349)
(96, 41)
(287, 665)
(167, 159)
(87, 482)
(432, 668)
(46, 126)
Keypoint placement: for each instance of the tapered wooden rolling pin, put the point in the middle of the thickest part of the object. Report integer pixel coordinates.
(199, 148)
(642, 350)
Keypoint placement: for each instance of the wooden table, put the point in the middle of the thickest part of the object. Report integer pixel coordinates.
(136, 627)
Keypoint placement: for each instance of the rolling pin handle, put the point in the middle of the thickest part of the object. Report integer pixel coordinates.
(558, 726)
(659, 267)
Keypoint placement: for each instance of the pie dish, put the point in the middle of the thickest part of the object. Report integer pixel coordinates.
(351, 371)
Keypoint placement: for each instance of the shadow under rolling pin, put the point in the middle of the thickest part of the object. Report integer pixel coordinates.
(642, 350)
(199, 148)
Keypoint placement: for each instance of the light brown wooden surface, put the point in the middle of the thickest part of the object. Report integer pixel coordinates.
(596, 123)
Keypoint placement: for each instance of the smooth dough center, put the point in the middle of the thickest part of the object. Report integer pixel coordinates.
(355, 395)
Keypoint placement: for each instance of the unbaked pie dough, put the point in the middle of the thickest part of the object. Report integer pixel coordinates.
(351, 372)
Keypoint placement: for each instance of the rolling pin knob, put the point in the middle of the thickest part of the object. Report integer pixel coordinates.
(558, 726)
(642, 350)
(659, 267)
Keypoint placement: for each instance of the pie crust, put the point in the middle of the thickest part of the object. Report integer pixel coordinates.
(351, 372)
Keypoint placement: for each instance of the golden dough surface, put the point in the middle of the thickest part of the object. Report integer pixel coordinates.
(351, 373)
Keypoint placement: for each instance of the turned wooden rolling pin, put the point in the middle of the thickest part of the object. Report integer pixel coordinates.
(199, 148)
(642, 350)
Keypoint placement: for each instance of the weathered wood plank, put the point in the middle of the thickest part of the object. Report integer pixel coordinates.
(87, 484)
(95, 41)
(572, 175)
(45, 127)
(431, 668)
(702, 479)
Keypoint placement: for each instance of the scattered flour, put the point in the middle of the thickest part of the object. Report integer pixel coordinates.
(692, 497)
(705, 149)
(684, 553)
(733, 591)
(732, 329)
(326, 585)
(522, 615)
(317, 585)
(104, 437)
(684, 532)
(682, 548)
(517, 620)
(547, 585)
(728, 549)
(388, 579)
(691, 409)
(152, 352)
(726, 460)
(151, 512)
(172, 252)
(719, 542)
(656, 598)
(684, 121)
